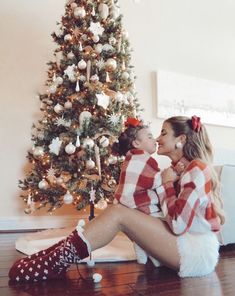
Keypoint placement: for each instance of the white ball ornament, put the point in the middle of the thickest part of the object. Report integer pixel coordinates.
(112, 40)
(125, 75)
(97, 277)
(104, 141)
(85, 115)
(103, 10)
(70, 148)
(94, 78)
(68, 198)
(112, 159)
(38, 151)
(52, 89)
(119, 96)
(115, 12)
(98, 48)
(68, 37)
(70, 55)
(90, 164)
(121, 158)
(95, 38)
(111, 65)
(125, 34)
(82, 65)
(58, 108)
(73, 5)
(59, 80)
(79, 12)
(102, 204)
(59, 181)
(68, 105)
(81, 223)
(88, 143)
(43, 184)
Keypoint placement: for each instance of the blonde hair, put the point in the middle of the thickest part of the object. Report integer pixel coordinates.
(198, 145)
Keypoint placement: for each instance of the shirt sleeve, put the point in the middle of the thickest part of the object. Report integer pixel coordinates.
(139, 174)
(180, 211)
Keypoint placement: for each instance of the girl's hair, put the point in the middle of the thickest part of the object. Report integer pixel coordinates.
(198, 145)
(126, 138)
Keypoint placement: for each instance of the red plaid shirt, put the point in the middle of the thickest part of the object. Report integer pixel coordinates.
(190, 209)
(138, 178)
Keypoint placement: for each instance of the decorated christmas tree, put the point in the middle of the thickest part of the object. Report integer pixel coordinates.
(90, 93)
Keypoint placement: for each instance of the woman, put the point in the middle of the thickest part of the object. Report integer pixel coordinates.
(186, 241)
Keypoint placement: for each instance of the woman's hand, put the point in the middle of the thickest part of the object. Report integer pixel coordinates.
(169, 175)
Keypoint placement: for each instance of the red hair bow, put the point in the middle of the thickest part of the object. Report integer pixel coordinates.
(131, 121)
(196, 123)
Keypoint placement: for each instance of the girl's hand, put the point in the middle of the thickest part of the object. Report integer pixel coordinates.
(169, 175)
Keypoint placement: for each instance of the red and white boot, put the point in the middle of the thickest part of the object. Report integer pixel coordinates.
(54, 263)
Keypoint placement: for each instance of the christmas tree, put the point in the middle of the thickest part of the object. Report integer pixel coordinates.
(90, 93)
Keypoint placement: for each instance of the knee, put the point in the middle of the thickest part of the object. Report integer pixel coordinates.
(116, 212)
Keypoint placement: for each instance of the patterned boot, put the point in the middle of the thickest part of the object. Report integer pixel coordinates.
(38, 254)
(54, 264)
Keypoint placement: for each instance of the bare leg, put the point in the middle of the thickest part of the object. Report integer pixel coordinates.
(150, 233)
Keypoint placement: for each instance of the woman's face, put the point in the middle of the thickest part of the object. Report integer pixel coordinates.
(166, 141)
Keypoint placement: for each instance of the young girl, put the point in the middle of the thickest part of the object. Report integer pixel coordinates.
(139, 176)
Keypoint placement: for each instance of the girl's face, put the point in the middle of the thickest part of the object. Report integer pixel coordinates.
(167, 141)
(145, 141)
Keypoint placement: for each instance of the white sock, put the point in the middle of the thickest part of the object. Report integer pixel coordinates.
(141, 255)
(155, 262)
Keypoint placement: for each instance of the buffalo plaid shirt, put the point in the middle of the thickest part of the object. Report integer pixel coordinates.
(139, 176)
(187, 204)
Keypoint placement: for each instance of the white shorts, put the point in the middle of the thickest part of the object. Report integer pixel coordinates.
(199, 253)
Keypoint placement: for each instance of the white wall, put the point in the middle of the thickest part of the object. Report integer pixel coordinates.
(186, 36)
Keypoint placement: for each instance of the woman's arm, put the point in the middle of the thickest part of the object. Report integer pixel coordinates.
(194, 185)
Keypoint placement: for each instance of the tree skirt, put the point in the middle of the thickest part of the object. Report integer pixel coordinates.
(119, 249)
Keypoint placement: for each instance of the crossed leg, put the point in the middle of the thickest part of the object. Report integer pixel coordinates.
(152, 234)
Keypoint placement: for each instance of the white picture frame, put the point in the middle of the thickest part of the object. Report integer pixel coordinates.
(179, 94)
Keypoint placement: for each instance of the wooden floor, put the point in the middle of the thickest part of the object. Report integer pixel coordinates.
(127, 278)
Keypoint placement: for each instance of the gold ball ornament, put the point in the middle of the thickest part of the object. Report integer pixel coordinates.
(110, 65)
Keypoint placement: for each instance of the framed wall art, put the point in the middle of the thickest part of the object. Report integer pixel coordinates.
(179, 94)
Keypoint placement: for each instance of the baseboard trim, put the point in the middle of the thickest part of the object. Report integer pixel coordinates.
(39, 222)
